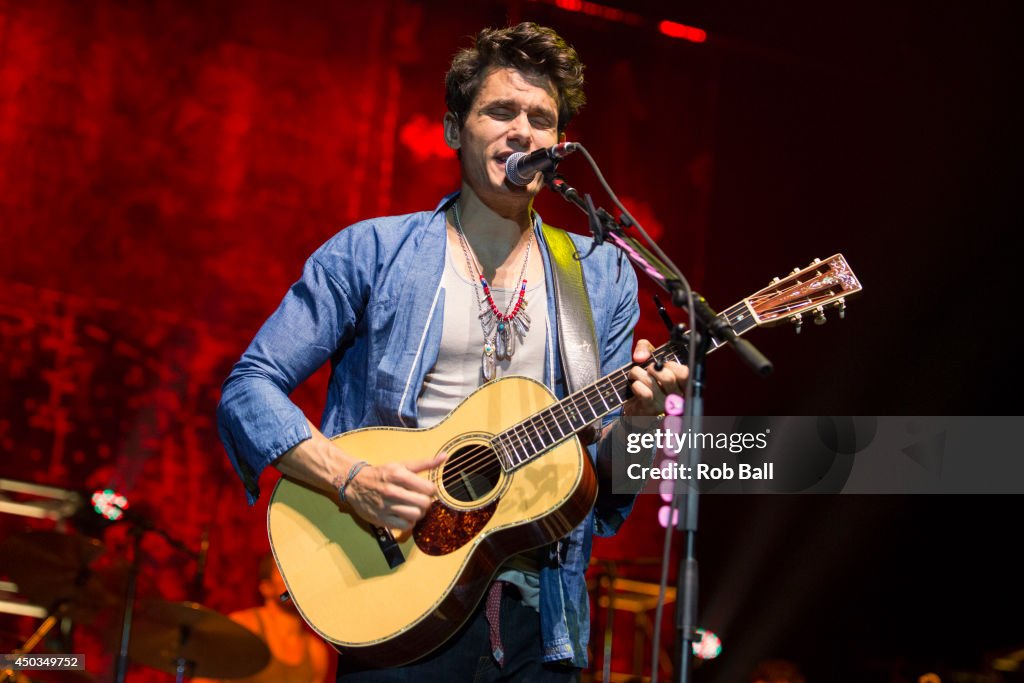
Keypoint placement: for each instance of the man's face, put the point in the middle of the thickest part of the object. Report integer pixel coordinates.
(510, 114)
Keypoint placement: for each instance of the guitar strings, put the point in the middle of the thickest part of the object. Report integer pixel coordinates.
(458, 481)
(478, 460)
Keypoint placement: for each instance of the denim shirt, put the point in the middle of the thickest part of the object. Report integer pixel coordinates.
(370, 301)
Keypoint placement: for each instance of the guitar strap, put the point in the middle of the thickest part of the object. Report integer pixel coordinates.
(577, 339)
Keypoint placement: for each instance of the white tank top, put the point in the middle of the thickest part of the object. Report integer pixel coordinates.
(458, 371)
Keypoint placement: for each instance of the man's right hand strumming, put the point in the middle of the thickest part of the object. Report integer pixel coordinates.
(393, 495)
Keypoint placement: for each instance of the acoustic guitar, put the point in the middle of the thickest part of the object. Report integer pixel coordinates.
(516, 478)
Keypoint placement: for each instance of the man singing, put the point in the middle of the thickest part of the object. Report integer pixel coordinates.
(415, 313)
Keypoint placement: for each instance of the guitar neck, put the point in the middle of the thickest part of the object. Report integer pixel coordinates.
(811, 289)
(536, 434)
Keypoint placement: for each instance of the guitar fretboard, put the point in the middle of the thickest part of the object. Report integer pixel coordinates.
(541, 431)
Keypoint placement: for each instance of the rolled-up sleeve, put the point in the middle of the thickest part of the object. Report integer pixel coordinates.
(256, 420)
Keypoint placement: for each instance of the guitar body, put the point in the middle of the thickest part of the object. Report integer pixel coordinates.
(390, 609)
(336, 571)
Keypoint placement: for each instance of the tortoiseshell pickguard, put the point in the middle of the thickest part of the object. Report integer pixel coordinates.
(444, 530)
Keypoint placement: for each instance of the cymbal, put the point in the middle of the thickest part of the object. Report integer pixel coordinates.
(216, 647)
(50, 568)
(50, 551)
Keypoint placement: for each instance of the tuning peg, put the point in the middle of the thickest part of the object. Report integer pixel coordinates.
(819, 316)
(798, 322)
(815, 262)
(774, 281)
(796, 270)
(841, 305)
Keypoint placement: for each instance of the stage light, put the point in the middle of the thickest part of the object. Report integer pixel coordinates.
(595, 9)
(663, 516)
(674, 29)
(109, 503)
(708, 647)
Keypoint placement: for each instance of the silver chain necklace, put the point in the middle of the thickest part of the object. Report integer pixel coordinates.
(500, 329)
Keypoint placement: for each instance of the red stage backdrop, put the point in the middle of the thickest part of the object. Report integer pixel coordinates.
(166, 167)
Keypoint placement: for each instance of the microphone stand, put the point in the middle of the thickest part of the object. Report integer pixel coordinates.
(687, 575)
(139, 526)
(708, 330)
(121, 668)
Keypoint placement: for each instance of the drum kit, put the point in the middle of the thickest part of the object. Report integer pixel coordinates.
(51, 575)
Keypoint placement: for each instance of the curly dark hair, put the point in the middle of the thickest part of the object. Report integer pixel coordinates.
(536, 51)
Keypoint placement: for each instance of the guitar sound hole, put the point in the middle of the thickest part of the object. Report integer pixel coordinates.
(470, 473)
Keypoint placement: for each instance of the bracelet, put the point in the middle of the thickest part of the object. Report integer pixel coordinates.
(352, 472)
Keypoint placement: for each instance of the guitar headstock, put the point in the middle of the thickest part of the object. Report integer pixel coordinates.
(821, 286)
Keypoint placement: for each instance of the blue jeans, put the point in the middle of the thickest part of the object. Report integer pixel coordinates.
(467, 658)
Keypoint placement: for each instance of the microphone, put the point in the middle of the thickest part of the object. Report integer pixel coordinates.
(522, 168)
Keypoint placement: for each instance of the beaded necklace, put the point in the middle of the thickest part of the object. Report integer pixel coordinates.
(500, 329)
